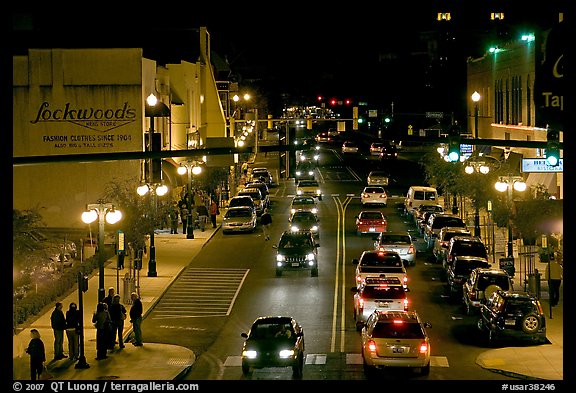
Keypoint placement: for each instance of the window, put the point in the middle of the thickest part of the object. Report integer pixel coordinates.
(397, 330)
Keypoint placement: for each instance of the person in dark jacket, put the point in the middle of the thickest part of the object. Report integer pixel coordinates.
(136, 319)
(58, 323)
(37, 354)
(117, 315)
(202, 215)
(73, 330)
(265, 221)
(108, 299)
(101, 320)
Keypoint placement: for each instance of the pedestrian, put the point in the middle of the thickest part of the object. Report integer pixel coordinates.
(214, 211)
(73, 330)
(117, 315)
(554, 273)
(183, 214)
(108, 299)
(202, 216)
(174, 214)
(265, 221)
(37, 354)
(58, 323)
(136, 319)
(101, 320)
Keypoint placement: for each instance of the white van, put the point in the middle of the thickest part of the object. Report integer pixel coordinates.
(419, 195)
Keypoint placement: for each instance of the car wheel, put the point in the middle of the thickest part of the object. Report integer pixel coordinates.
(530, 324)
(278, 272)
(425, 370)
(314, 273)
(245, 369)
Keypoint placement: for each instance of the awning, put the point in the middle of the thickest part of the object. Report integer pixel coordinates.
(547, 180)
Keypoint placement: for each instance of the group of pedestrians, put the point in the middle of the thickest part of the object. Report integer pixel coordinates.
(108, 320)
(199, 208)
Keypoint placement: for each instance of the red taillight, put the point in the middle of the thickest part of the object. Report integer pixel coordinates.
(405, 304)
(360, 303)
(424, 347)
(405, 281)
(444, 244)
(371, 345)
(412, 250)
(472, 295)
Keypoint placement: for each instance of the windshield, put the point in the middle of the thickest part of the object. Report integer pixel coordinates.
(384, 292)
(397, 330)
(385, 259)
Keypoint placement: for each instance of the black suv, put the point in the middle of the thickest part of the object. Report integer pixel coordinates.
(296, 251)
(513, 315)
(459, 271)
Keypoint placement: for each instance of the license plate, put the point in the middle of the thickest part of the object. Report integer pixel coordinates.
(510, 322)
(371, 229)
(383, 305)
(397, 349)
(295, 264)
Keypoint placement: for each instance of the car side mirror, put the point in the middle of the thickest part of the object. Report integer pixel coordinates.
(245, 335)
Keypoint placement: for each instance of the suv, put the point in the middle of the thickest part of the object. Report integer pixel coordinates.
(459, 271)
(399, 241)
(514, 315)
(304, 220)
(378, 294)
(436, 222)
(296, 251)
(395, 339)
(443, 240)
(384, 264)
(481, 284)
(470, 246)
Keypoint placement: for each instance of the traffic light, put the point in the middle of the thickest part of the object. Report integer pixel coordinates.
(454, 150)
(553, 147)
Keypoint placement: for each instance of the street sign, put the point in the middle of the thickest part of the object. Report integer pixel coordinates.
(540, 165)
(435, 115)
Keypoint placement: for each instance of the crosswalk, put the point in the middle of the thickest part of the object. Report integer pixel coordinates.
(319, 359)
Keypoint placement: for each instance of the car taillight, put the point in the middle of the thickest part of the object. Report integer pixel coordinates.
(405, 304)
(405, 280)
(412, 250)
(472, 295)
(361, 303)
(424, 347)
(371, 345)
(444, 244)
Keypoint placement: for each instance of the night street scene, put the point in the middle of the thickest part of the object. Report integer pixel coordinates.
(217, 195)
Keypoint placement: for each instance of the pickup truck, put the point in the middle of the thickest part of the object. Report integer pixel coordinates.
(383, 264)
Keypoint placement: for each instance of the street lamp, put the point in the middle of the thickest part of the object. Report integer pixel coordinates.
(476, 97)
(154, 189)
(510, 183)
(190, 168)
(101, 211)
(482, 168)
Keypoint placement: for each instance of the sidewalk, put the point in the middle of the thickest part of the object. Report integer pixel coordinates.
(168, 362)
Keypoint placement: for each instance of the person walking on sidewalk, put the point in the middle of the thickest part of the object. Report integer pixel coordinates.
(554, 273)
(214, 211)
(37, 354)
(102, 322)
(108, 299)
(265, 221)
(73, 330)
(58, 323)
(117, 315)
(202, 216)
(174, 214)
(136, 319)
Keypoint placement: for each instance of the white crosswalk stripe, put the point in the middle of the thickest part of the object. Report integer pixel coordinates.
(351, 359)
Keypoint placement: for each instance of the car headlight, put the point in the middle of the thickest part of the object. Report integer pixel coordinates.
(299, 192)
(310, 173)
(314, 210)
(286, 353)
(250, 354)
(294, 228)
(292, 211)
(298, 173)
(280, 258)
(318, 192)
(310, 257)
(314, 228)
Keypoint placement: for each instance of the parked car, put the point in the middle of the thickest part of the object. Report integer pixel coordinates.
(263, 190)
(297, 251)
(436, 222)
(471, 246)
(256, 197)
(459, 271)
(371, 221)
(481, 284)
(385, 264)
(303, 202)
(419, 195)
(422, 213)
(443, 239)
(310, 188)
(374, 195)
(509, 315)
(377, 178)
(378, 294)
(304, 220)
(263, 174)
(239, 219)
(400, 242)
(393, 339)
(274, 341)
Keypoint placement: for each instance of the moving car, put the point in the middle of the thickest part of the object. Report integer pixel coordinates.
(481, 284)
(395, 339)
(274, 341)
(400, 242)
(513, 315)
(384, 264)
(377, 178)
(374, 195)
(297, 251)
(388, 152)
(375, 148)
(371, 221)
(378, 294)
(303, 202)
(304, 220)
(310, 188)
(239, 219)
(305, 170)
(349, 147)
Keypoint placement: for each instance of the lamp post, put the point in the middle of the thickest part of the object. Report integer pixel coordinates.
(510, 183)
(154, 190)
(190, 168)
(481, 168)
(102, 212)
(476, 97)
